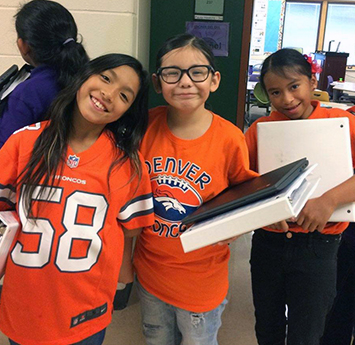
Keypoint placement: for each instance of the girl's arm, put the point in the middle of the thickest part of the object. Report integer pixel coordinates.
(126, 273)
(317, 212)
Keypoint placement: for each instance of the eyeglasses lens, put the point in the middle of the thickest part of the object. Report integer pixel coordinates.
(173, 75)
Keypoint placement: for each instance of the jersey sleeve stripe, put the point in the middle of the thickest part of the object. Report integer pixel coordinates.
(7, 194)
(139, 206)
(11, 204)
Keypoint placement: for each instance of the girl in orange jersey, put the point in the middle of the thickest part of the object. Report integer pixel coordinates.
(294, 264)
(192, 155)
(78, 185)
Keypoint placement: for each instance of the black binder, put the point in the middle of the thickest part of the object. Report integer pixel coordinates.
(250, 191)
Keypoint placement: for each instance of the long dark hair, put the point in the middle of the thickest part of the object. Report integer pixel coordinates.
(183, 40)
(49, 152)
(50, 31)
(284, 61)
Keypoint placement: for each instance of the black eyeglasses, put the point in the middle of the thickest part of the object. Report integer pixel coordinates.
(198, 74)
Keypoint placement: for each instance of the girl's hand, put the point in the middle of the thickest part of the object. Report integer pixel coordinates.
(279, 226)
(316, 213)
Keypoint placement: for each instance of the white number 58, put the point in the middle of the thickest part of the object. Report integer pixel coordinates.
(73, 231)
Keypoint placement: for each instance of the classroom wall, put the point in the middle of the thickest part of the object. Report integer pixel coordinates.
(107, 26)
(169, 18)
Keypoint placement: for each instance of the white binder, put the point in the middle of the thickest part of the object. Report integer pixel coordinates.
(8, 229)
(322, 141)
(259, 214)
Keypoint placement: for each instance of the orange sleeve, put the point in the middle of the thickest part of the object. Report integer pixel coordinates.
(138, 211)
(9, 172)
(251, 140)
(239, 167)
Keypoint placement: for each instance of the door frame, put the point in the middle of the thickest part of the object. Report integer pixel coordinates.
(244, 61)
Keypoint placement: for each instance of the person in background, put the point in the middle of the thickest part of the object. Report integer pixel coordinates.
(294, 263)
(192, 155)
(78, 184)
(339, 328)
(340, 324)
(47, 40)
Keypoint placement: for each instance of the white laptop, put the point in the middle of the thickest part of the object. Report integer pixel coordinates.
(322, 141)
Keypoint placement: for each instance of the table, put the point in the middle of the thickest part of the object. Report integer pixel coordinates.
(339, 87)
(343, 106)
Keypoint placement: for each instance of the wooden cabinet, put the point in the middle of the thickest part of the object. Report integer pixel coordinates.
(333, 64)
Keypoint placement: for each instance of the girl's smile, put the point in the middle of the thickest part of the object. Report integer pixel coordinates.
(186, 95)
(98, 104)
(293, 109)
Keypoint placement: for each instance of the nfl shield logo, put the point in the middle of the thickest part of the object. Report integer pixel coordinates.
(73, 161)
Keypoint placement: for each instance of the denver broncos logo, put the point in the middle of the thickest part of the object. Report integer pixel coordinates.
(169, 202)
(174, 198)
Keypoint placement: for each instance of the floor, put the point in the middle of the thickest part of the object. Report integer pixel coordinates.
(237, 319)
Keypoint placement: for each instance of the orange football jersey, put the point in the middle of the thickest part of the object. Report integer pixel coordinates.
(62, 271)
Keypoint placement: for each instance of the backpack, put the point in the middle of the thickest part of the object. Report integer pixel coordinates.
(9, 80)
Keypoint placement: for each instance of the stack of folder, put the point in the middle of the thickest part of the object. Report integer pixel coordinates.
(270, 198)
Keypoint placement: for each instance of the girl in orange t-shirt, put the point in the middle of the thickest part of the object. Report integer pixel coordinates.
(192, 155)
(294, 264)
(77, 183)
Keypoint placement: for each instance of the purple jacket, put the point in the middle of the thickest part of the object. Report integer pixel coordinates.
(29, 102)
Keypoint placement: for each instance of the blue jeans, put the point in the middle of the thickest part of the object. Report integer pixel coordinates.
(297, 270)
(96, 339)
(165, 324)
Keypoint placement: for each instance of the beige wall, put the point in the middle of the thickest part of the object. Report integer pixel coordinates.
(107, 26)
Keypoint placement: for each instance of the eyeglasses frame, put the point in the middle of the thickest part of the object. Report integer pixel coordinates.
(185, 70)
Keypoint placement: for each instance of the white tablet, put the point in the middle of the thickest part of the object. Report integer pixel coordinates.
(322, 141)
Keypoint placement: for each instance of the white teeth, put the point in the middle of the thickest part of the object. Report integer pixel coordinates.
(98, 104)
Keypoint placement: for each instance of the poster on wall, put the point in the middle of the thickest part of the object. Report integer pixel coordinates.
(209, 9)
(216, 34)
(258, 27)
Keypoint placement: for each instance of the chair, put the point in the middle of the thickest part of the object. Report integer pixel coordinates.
(351, 110)
(254, 72)
(320, 95)
(254, 76)
(329, 86)
(261, 100)
(261, 96)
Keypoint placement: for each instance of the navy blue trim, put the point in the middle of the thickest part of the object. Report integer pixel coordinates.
(88, 315)
(137, 214)
(8, 186)
(138, 198)
(7, 201)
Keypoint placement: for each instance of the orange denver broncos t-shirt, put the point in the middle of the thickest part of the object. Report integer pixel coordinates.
(318, 113)
(184, 174)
